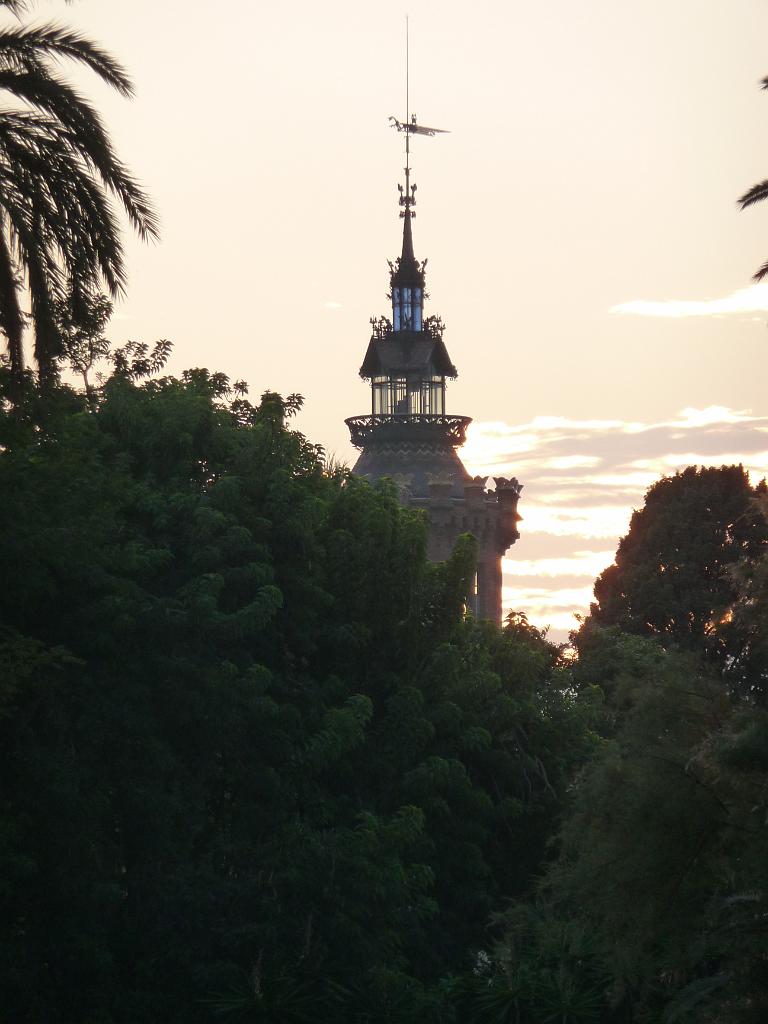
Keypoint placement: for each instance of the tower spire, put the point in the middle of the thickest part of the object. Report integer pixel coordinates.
(407, 255)
(408, 435)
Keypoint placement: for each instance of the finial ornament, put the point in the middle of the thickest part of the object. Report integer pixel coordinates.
(410, 126)
(407, 199)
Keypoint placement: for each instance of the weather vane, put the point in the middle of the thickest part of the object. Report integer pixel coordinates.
(410, 126)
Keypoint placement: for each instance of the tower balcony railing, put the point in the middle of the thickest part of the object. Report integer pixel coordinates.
(414, 426)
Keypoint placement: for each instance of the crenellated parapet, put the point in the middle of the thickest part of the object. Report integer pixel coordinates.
(466, 505)
(507, 485)
(491, 515)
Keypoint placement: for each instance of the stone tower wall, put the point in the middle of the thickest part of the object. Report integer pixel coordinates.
(489, 515)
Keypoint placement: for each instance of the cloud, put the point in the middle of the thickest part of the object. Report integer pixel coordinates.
(582, 480)
(581, 564)
(332, 304)
(666, 464)
(711, 416)
(745, 300)
(553, 607)
(595, 521)
(571, 462)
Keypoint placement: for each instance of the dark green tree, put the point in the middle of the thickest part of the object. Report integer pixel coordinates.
(657, 900)
(253, 756)
(671, 578)
(653, 909)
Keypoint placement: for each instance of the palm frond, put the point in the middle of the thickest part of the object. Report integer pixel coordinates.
(75, 210)
(59, 175)
(85, 134)
(28, 43)
(755, 195)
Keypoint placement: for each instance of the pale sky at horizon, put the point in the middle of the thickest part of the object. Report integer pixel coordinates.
(585, 247)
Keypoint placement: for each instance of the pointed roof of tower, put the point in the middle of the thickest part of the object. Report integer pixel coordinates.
(407, 270)
(407, 253)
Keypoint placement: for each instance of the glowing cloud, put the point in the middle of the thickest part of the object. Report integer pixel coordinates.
(745, 300)
(586, 564)
(711, 416)
(555, 608)
(755, 463)
(585, 523)
(571, 462)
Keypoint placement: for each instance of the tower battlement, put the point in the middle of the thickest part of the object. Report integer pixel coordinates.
(465, 506)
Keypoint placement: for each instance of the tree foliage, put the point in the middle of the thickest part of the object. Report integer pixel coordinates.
(657, 899)
(654, 909)
(255, 763)
(672, 578)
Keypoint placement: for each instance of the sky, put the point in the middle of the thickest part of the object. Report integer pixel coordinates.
(585, 247)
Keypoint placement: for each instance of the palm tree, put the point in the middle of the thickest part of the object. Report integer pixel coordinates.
(58, 171)
(755, 195)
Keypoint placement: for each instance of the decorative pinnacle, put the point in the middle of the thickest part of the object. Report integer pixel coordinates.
(407, 257)
(407, 196)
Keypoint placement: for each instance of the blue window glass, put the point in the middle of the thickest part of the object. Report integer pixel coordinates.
(407, 310)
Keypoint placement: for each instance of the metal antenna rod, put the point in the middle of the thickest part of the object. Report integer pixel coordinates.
(407, 70)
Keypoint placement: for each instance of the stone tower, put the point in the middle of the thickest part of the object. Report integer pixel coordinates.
(409, 435)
